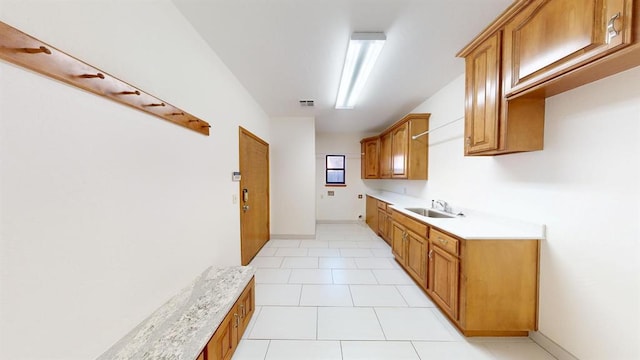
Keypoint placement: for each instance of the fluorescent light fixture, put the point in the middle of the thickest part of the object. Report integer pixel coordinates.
(362, 54)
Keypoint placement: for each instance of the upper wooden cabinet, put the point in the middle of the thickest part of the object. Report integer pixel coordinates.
(549, 37)
(537, 49)
(369, 158)
(400, 155)
(400, 150)
(385, 156)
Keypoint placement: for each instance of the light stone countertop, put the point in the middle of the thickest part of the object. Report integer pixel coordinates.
(181, 328)
(474, 225)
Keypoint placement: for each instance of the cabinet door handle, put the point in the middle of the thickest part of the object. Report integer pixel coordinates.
(241, 311)
(611, 27)
(430, 253)
(237, 319)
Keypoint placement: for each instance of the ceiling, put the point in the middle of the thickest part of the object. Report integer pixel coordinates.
(284, 51)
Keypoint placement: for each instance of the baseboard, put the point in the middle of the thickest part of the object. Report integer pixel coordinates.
(338, 221)
(554, 349)
(293, 236)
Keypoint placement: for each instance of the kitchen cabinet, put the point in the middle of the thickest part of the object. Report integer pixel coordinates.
(444, 273)
(384, 221)
(385, 156)
(225, 340)
(493, 125)
(486, 287)
(369, 158)
(409, 157)
(399, 150)
(547, 38)
(409, 245)
(399, 156)
(398, 242)
(371, 215)
(534, 50)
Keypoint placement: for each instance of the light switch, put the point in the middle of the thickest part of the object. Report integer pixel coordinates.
(330, 193)
(234, 198)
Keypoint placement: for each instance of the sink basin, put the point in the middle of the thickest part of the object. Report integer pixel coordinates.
(430, 213)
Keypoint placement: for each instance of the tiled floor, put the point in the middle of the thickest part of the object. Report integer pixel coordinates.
(343, 296)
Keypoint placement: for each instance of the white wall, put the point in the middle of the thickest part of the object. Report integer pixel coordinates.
(292, 151)
(106, 212)
(584, 186)
(344, 205)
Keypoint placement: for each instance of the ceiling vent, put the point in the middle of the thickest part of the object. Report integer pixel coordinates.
(306, 103)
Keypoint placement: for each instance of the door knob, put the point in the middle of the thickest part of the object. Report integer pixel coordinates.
(245, 207)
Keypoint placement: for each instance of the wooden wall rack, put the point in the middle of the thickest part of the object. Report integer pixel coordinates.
(26, 51)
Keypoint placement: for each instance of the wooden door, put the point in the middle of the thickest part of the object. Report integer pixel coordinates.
(400, 151)
(385, 156)
(444, 280)
(482, 97)
(416, 256)
(398, 241)
(254, 194)
(548, 38)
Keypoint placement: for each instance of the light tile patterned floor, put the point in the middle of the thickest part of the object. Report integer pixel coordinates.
(343, 296)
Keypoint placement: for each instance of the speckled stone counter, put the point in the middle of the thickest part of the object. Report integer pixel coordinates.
(181, 328)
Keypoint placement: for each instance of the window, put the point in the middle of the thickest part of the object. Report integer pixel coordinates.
(335, 170)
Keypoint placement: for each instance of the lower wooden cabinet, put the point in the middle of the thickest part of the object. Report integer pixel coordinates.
(398, 242)
(409, 245)
(371, 215)
(444, 280)
(225, 340)
(416, 264)
(485, 287)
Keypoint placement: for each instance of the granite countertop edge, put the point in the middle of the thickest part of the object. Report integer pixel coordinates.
(181, 328)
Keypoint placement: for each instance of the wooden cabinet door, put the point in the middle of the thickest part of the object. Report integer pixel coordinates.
(549, 38)
(400, 151)
(444, 280)
(225, 339)
(370, 158)
(385, 156)
(371, 215)
(398, 236)
(246, 307)
(416, 256)
(482, 100)
(382, 222)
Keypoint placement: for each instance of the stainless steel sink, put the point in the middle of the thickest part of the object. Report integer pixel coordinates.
(430, 213)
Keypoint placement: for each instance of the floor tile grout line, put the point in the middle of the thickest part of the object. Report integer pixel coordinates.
(380, 323)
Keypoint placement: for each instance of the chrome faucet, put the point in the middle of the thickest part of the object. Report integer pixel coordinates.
(443, 204)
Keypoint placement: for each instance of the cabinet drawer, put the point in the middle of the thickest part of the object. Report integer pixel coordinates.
(382, 205)
(411, 224)
(446, 242)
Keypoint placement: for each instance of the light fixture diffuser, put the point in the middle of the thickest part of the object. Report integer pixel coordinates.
(362, 53)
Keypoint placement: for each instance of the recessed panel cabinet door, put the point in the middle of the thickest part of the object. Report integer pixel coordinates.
(385, 156)
(444, 280)
(400, 150)
(550, 37)
(398, 242)
(483, 96)
(416, 256)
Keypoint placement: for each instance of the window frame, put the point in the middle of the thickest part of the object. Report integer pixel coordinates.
(343, 169)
